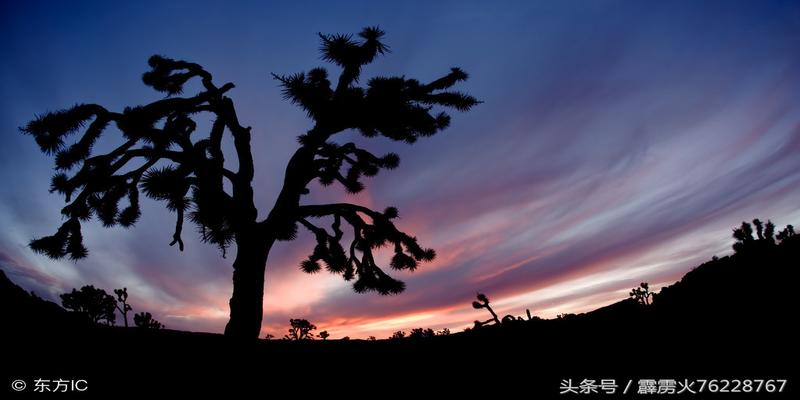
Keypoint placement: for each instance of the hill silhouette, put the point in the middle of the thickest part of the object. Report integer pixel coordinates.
(729, 318)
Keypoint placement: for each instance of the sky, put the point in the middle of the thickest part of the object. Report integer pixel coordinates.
(618, 142)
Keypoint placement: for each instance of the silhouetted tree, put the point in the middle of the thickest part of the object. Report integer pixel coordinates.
(94, 303)
(483, 302)
(642, 293)
(443, 332)
(122, 303)
(162, 154)
(345, 338)
(786, 233)
(769, 232)
(145, 320)
(372, 338)
(743, 236)
(300, 330)
(398, 335)
(759, 228)
(324, 335)
(420, 333)
(269, 336)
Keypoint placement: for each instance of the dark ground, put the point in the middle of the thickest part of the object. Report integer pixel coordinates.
(732, 318)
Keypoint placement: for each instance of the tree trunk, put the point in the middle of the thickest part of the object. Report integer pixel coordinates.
(247, 301)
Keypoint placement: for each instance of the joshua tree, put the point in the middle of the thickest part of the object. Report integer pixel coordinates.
(300, 330)
(642, 293)
(483, 302)
(443, 332)
(95, 304)
(743, 236)
(162, 153)
(769, 232)
(145, 320)
(324, 335)
(759, 228)
(398, 335)
(122, 303)
(422, 333)
(786, 233)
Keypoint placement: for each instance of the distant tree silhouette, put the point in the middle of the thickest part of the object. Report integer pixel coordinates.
(765, 234)
(122, 303)
(759, 228)
(398, 335)
(420, 333)
(769, 232)
(145, 320)
(786, 233)
(443, 332)
(324, 335)
(483, 302)
(743, 236)
(300, 329)
(95, 304)
(269, 336)
(345, 338)
(372, 338)
(162, 154)
(642, 293)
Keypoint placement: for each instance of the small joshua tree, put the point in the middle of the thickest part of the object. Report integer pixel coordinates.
(765, 233)
(786, 233)
(97, 305)
(300, 330)
(743, 236)
(419, 333)
(642, 293)
(483, 302)
(122, 304)
(398, 335)
(145, 320)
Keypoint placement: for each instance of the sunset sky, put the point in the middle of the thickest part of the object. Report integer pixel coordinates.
(618, 142)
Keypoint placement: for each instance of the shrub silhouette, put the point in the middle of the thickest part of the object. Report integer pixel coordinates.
(122, 303)
(324, 335)
(765, 234)
(93, 303)
(398, 335)
(420, 333)
(162, 153)
(300, 330)
(483, 302)
(786, 233)
(642, 293)
(145, 320)
(443, 332)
